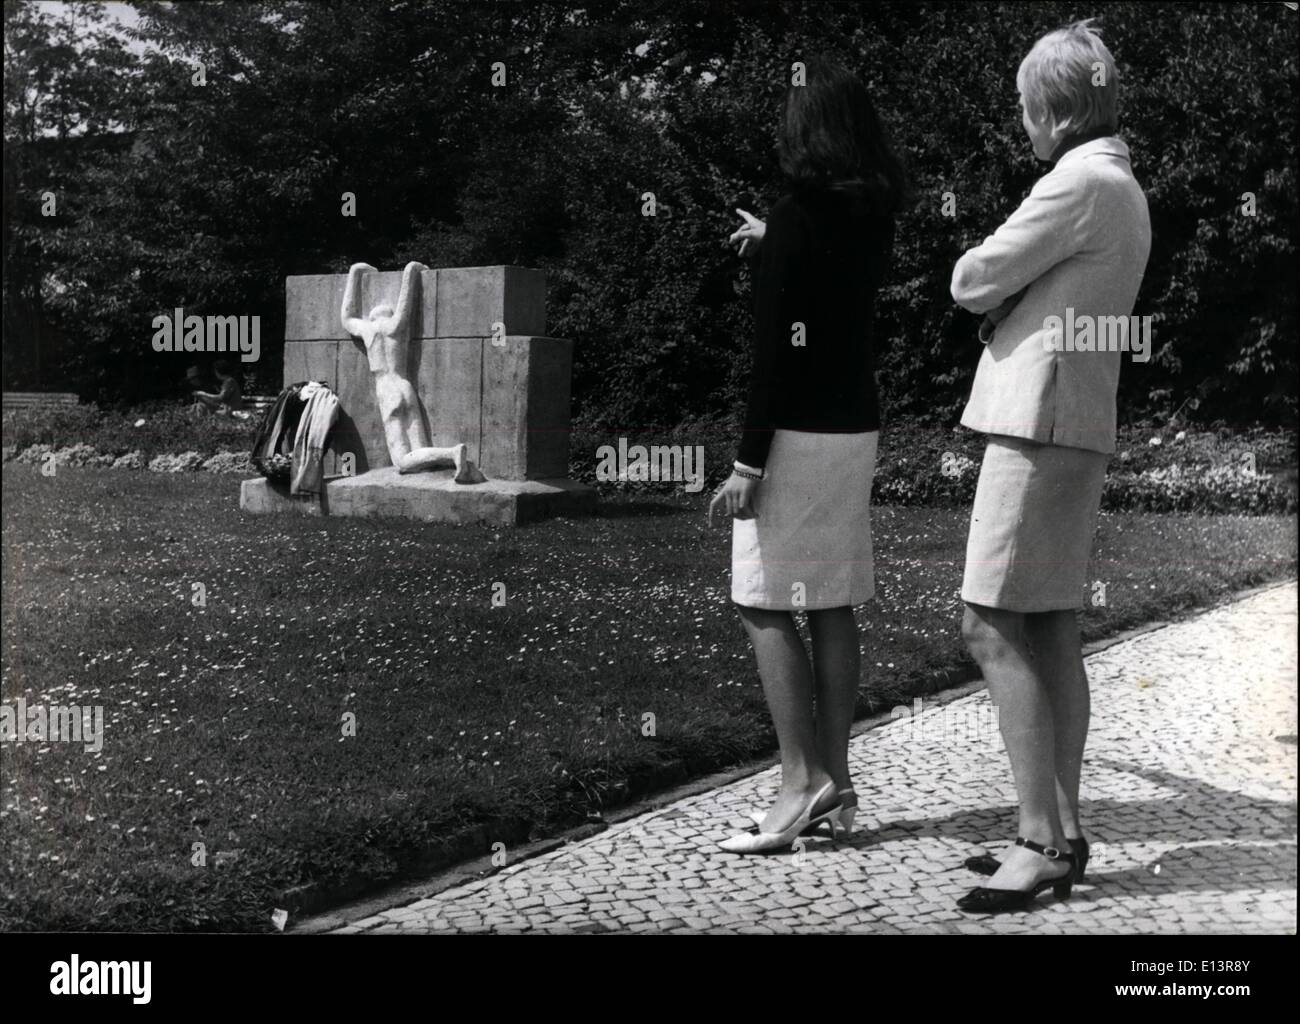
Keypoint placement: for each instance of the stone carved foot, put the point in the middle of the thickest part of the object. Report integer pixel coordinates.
(466, 471)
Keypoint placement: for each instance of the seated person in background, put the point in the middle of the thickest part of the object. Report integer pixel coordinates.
(229, 397)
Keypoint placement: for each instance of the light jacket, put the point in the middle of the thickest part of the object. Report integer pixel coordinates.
(1079, 245)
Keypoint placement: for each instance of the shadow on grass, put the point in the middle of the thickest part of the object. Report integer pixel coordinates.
(632, 508)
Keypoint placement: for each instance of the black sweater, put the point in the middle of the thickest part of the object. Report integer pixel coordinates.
(822, 258)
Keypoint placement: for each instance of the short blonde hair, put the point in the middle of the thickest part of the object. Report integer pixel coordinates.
(1069, 81)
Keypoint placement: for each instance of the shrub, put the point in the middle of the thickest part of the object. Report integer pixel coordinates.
(229, 462)
(183, 463)
(1227, 488)
(131, 460)
(166, 428)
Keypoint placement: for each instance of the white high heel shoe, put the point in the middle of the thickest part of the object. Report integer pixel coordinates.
(751, 842)
(848, 812)
(842, 827)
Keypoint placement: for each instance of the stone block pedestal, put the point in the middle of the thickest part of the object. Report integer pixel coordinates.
(429, 497)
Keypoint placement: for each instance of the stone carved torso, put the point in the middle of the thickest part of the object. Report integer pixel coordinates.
(385, 352)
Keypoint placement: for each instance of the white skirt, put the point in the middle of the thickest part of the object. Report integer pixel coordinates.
(809, 543)
(1032, 525)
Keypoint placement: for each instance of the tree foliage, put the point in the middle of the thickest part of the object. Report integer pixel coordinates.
(206, 196)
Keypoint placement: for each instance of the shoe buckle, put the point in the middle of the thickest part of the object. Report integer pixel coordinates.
(1051, 853)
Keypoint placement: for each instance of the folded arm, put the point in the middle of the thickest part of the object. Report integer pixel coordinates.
(1048, 228)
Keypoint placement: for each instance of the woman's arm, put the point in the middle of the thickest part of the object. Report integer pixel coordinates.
(1046, 229)
(777, 264)
(995, 316)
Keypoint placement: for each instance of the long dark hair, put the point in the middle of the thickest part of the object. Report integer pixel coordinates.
(830, 136)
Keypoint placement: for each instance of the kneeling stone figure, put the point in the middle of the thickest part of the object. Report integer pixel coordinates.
(386, 335)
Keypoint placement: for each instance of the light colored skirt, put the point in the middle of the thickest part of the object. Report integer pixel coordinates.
(809, 544)
(1032, 525)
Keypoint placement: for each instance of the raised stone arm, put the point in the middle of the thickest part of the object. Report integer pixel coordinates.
(406, 299)
(351, 317)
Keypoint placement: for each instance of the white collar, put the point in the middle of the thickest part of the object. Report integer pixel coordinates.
(1110, 145)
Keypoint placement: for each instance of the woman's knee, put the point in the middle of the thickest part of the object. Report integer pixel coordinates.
(1055, 630)
(990, 634)
(763, 618)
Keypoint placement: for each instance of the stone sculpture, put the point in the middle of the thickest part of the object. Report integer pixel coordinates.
(458, 357)
(386, 334)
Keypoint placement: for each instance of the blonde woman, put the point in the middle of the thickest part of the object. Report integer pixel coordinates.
(1075, 249)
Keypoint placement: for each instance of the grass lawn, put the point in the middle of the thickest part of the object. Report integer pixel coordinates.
(224, 724)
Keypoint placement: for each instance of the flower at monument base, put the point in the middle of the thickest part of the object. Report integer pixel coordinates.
(75, 455)
(131, 460)
(36, 454)
(959, 466)
(229, 462)
(182, 463)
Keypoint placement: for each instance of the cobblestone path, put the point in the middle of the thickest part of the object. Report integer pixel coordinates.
(1189, 800)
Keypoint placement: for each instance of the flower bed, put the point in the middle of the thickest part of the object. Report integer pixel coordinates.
(1250, 471)
(1247, 471)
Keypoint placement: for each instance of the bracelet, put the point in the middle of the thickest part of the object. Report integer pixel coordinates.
(748, 472)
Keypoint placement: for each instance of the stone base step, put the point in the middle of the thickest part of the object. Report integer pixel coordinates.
(429, 497)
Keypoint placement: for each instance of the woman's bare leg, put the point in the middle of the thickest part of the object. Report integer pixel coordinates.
(836, 673)
(788, 686)
(1054, 638)
(997, 641)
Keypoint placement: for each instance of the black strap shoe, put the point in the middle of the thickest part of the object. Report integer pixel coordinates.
(986, 864)
(982, 900)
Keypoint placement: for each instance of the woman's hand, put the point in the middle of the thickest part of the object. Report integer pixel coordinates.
(736, 497)
(1004, 310)
(752, 231)
(995, 316)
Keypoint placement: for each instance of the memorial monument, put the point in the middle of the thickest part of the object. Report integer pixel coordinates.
(450, 368)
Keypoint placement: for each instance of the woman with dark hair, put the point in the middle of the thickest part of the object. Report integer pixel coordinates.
(800, 492)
